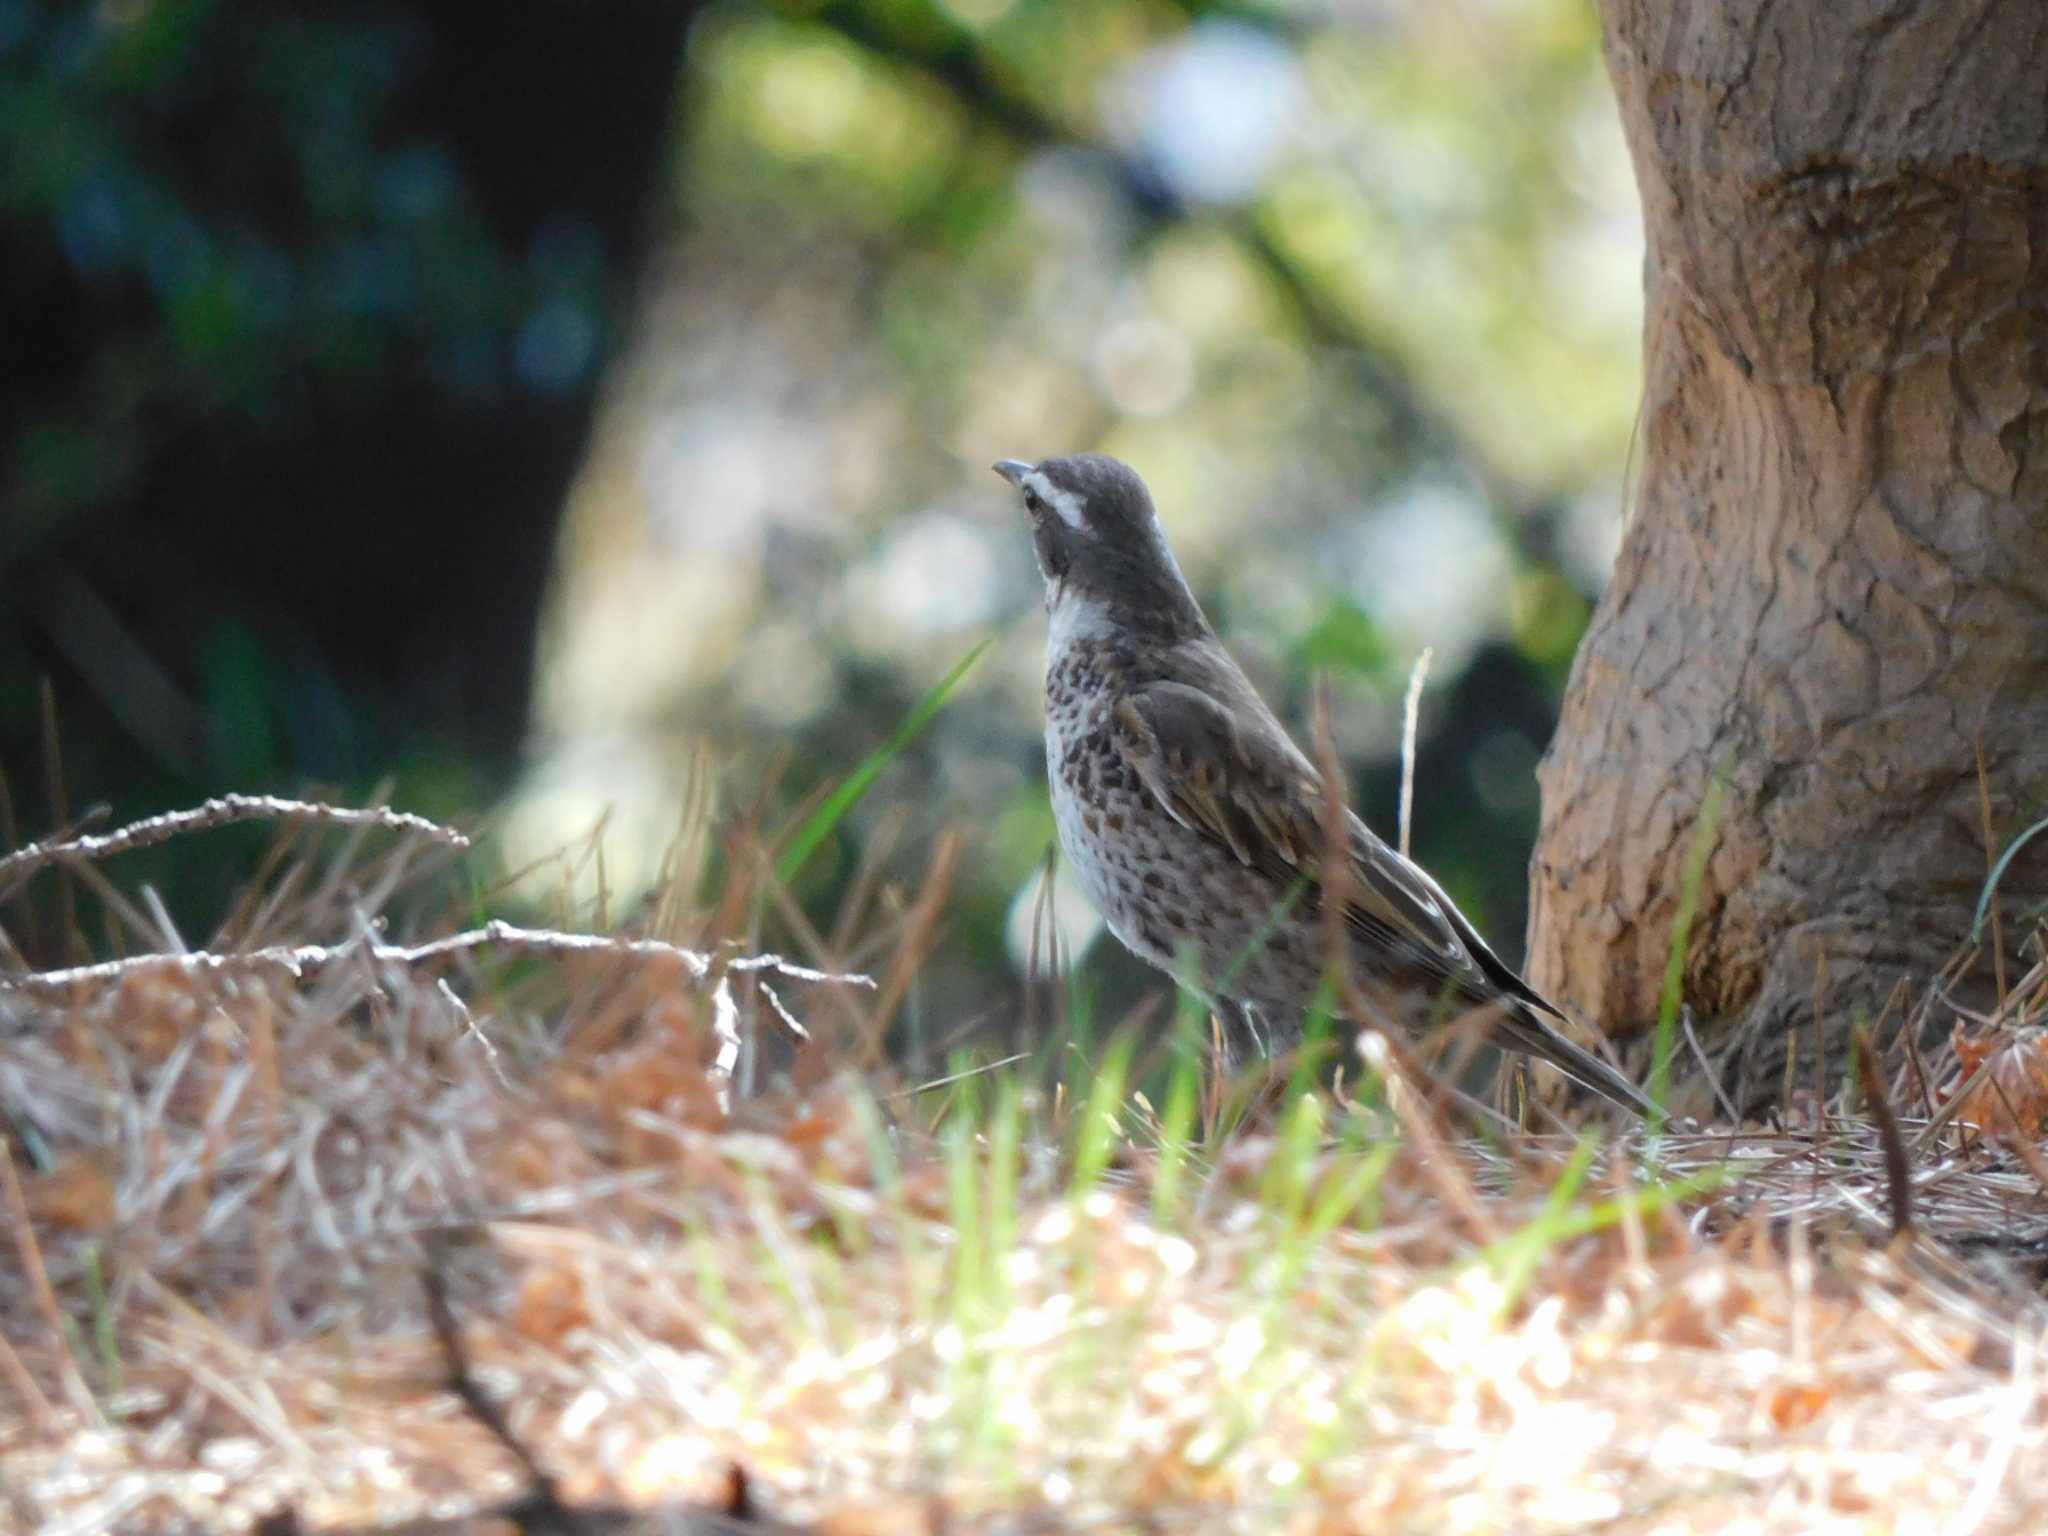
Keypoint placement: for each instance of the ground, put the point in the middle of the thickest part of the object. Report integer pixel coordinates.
(1086, 1291)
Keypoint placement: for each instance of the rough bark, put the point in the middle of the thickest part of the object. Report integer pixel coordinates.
(1834, 584)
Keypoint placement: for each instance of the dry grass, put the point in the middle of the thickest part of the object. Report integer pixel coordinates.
(904, 1311)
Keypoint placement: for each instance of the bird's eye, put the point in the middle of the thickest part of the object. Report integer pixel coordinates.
(1032, 502)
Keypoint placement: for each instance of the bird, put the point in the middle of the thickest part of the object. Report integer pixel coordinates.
(1197, 826)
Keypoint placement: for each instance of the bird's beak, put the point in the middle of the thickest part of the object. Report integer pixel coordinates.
(1011, 470)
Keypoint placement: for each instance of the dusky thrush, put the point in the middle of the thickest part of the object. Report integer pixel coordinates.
(1198, 827)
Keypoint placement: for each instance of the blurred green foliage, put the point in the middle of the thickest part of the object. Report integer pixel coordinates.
(227, 176)
(1343, 640)
(305, 308)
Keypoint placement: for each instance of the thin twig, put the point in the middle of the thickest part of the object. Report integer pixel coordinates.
(1919, 1067)
(29, 1254)
(221, 812)
(1336, 833)
(470, 1027)
(725, 1027)
(1411, 710)
(2019, 1142)
(1418, 1117)
(1706, 1066)
(2012, 1415)
(297, 960)
(1956, 1101)
(23, 1381)
(461, 1379)
(919, 934)
(1898, 1171)
(1991, 867)
(957, 1077)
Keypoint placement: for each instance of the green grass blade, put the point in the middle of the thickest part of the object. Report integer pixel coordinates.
(1350, 1191)
(919, 1270)
(1557, 1226)
(821, 823)
(1095, 1136)
(970, 1232)
(1176, 1132)
(1005, 1176)
(1650, 1199)
(1285, 1187)
(1318, 1045)
(105, 1333)
(1518, 1255)
(1998, 873)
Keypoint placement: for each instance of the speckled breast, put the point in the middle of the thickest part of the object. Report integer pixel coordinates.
(1168, 893)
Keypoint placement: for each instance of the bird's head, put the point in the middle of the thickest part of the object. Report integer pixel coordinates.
(1099, 542)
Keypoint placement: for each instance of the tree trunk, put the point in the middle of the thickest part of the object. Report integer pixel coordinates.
(1834, 587)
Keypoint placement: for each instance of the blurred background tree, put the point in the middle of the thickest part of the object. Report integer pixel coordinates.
(306, 307)
(1356, 287)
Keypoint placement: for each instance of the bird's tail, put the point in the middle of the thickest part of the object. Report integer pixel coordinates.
(1524, 1029)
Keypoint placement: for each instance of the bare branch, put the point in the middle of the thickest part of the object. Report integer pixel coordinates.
(1411, 709)
(221, 812)
(298, 960)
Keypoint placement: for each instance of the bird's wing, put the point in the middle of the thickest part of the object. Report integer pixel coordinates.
(1255, 793)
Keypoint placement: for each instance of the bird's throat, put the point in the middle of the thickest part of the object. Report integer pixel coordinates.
(1077, 617)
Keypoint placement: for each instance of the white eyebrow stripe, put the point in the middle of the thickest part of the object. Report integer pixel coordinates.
(1065, 503)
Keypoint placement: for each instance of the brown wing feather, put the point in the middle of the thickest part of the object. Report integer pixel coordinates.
(1255, 793)
(1260, 797)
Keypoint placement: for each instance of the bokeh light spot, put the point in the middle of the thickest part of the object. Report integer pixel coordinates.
(1145, 368)
(1213, 110)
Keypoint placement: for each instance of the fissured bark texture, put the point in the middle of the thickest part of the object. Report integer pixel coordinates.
(1834, 583)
